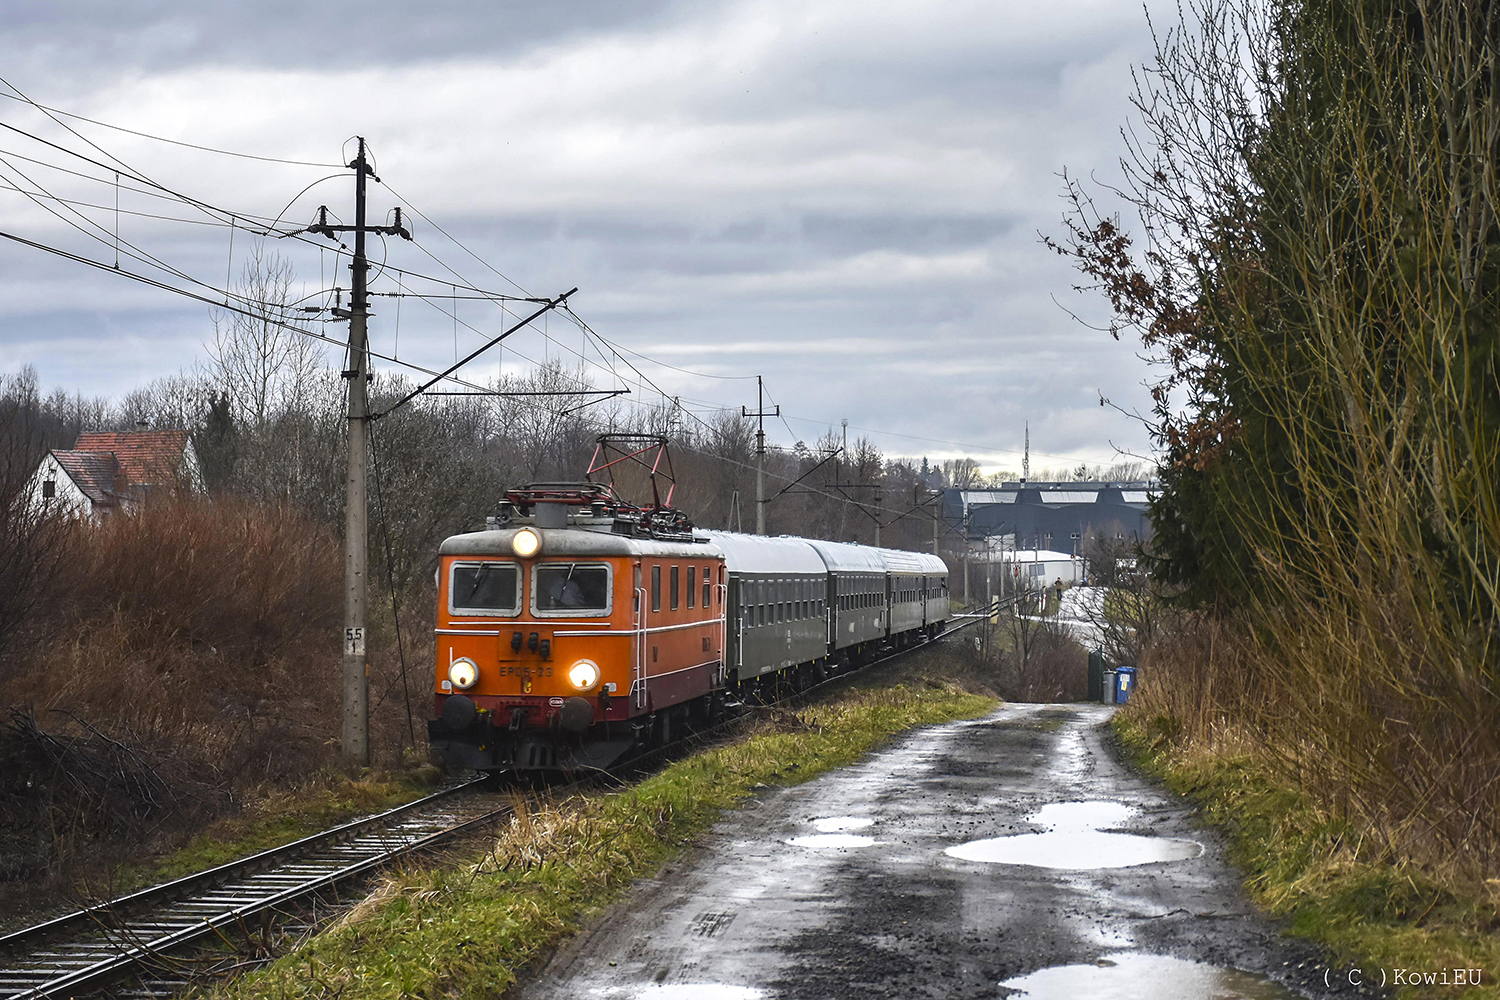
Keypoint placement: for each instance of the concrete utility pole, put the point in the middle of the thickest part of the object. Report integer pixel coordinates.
(937, 520)
(355, 735)
(355, 739)
(966, 555)
(760, 451)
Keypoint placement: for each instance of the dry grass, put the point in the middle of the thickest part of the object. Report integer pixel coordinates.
(1367, 742)
(1340, 883)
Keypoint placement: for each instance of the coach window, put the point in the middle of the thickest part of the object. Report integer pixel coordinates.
(676, 585)
(655, 588)
(692, 586)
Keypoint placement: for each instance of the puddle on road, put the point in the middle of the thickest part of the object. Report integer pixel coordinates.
(690, 991)
(842, 824)
(1097, 815)
(832, 840)
(1079, 840)
(1128, 976)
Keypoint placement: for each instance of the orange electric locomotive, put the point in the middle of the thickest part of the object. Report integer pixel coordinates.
(573, 629)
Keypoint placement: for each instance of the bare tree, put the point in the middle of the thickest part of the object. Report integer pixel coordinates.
(267, 368)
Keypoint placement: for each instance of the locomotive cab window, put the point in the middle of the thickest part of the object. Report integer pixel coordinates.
(564, 588)
(484, 588)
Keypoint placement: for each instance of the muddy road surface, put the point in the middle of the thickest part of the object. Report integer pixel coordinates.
(1008, 856)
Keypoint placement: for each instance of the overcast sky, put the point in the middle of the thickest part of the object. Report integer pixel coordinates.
(842, 196)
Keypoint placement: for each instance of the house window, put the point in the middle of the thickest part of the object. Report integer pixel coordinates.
(49, 489)
(655, 588)
(676, 586)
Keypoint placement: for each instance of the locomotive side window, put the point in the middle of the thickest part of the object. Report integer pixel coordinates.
(484, 588)
(676, 586)
(706, 586)
(560, 588)
(692, 585)
(655, 588)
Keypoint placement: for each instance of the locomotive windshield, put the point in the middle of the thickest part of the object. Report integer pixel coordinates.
(571, 588)
(485, 588)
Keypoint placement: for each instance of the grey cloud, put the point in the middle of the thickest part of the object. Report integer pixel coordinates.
(920, 242)
(169, 34)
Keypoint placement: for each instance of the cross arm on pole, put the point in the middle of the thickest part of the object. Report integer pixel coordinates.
(549, 305)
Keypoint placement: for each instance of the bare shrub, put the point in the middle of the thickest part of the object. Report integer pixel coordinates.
(199, 639)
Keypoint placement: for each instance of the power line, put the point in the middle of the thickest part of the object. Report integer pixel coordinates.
(263, 317)
(453, 239)
(138, 177)
(159, 138)
(110, 208)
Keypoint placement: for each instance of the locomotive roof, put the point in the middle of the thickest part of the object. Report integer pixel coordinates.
(762, 554)
(580, 542)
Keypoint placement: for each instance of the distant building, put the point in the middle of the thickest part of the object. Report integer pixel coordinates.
(1052, 516)
(1039, 568)
(106, 472)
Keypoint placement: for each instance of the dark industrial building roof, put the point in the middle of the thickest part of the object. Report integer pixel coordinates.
(1056, 516)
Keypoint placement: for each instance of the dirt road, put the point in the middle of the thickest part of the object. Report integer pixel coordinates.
(1008, 856)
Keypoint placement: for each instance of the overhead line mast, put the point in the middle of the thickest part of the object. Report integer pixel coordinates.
(355, 737)
(760, 451)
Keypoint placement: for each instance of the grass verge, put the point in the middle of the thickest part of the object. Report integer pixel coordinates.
(468, 931)
(1374, 910)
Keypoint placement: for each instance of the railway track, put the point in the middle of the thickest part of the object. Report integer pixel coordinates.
(80, 953)
(142, 936)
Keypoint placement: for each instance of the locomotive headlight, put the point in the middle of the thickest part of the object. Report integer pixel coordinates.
(464, 673)
(526, 543)
(584, 674)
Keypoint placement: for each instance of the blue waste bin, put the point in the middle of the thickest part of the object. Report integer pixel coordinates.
(1107, 687)
(1124, 684)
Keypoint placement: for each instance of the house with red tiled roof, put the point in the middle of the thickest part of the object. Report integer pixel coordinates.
(109, 472)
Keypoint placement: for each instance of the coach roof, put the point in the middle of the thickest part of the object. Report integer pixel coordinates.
(760, 554)
(913, 563)
(842, 557)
